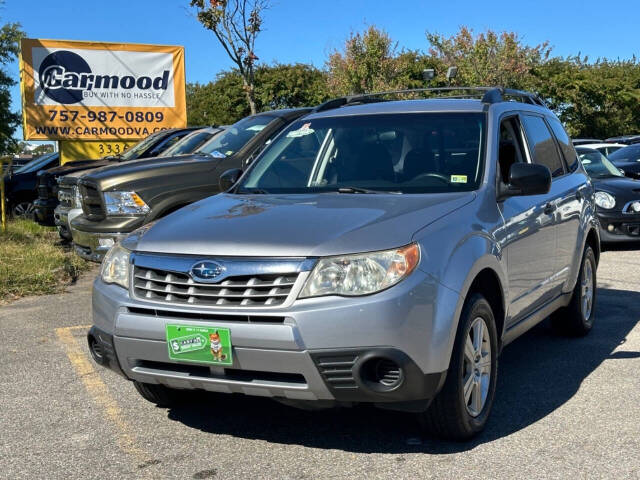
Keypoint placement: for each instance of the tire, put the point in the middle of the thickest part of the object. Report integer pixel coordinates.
(452, 415)
(576, 319)
(23, 209)
(159, 394)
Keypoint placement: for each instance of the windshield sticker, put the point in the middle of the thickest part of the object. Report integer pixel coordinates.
(301, 132)
(256, 128)
(458, 179)
(217, 154)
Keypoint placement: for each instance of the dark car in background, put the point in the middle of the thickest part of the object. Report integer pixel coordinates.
(20, 184)
(69, 205)
(627, 159)
(119, 199)
(617, 198)
(47, 184)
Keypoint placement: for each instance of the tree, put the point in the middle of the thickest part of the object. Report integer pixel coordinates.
(488, 58)
(597, 100)
(370, 62)
(221, 102)
(10, 35)
(290, 86)
(236, 24)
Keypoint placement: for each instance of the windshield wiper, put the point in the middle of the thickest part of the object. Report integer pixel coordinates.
(362, 190)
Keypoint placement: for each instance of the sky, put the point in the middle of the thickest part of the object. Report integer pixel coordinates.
(307, 31)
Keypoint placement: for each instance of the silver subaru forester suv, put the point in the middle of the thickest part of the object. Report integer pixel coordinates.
(377, 251)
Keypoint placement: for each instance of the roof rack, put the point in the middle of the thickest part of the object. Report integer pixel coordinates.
(488, 95)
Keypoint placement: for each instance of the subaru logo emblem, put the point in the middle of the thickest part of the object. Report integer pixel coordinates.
(206, 271)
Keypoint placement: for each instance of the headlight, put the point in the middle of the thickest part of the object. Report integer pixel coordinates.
(605, 200)
(115, 266)
(124, 203)
(361, 274)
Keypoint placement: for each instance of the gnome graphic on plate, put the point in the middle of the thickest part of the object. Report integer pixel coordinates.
(216, 347)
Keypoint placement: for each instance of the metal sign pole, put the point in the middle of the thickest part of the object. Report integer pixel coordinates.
(3, 205)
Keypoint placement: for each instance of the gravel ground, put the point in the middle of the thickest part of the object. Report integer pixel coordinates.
(564, 408)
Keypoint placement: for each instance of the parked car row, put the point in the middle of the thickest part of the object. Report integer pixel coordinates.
(360, 251)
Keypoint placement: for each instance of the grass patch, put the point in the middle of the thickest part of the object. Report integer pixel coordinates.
(34, 262)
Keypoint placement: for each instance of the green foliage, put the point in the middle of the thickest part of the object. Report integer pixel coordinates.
(488, 58)
(278, 86)
(10, 35)
(32, 263)
(370, 62)
(597, 100)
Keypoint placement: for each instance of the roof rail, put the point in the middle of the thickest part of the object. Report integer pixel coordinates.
(488, 95)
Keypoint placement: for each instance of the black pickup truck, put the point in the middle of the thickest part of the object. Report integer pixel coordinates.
(47, 182)
(119, 199)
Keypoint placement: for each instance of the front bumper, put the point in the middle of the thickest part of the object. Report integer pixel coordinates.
(63, 217)
(92, 240)
(44, 211)
(316, 349)
(619, 227)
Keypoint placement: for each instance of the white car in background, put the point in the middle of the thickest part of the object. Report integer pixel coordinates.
(605, 148)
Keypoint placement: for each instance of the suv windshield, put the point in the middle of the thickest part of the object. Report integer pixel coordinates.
(235, 137)
(630, 153)
(135, 151)
(189, 143)
(400, 153)
(597, 165)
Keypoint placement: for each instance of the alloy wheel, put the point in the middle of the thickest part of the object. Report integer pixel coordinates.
(24, 210)
(477, 367)
(586, 290)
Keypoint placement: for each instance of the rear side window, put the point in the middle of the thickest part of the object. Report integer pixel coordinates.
(543, 148)
(564, 141)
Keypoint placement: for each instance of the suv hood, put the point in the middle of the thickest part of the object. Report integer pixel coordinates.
(296, 225)
(121, 173)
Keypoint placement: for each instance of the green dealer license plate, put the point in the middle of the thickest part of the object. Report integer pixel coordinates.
(188, 343)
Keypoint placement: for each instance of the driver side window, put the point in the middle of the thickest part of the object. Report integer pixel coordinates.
(510, 150)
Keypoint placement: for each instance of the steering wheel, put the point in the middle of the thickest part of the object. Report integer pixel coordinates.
(439, 176)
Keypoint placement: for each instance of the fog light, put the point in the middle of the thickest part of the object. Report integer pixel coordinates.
(610, 228)
(106, 242)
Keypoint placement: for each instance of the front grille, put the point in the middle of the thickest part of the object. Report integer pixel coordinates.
(244, 291)
(92, 206)
(337, 371)
(210, 317)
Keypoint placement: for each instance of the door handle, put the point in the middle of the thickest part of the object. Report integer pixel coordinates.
(549, 208)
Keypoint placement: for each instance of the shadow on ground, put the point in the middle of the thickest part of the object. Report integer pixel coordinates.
(539, 372)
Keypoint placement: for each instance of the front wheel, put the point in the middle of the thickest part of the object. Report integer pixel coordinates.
(462, 407)
(24, 210)
(577, 318)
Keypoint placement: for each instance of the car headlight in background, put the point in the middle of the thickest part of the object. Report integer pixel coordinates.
(115, 266)
(361, 274)
(124, 203)
(605, 200)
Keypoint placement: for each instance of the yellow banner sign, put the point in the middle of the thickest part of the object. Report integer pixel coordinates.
(70, 150)
(100, 91)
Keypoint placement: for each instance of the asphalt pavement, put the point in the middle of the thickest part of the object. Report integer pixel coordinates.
(565, 408)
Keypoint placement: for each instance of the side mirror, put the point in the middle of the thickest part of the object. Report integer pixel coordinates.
(527, 179)
(229, 178)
